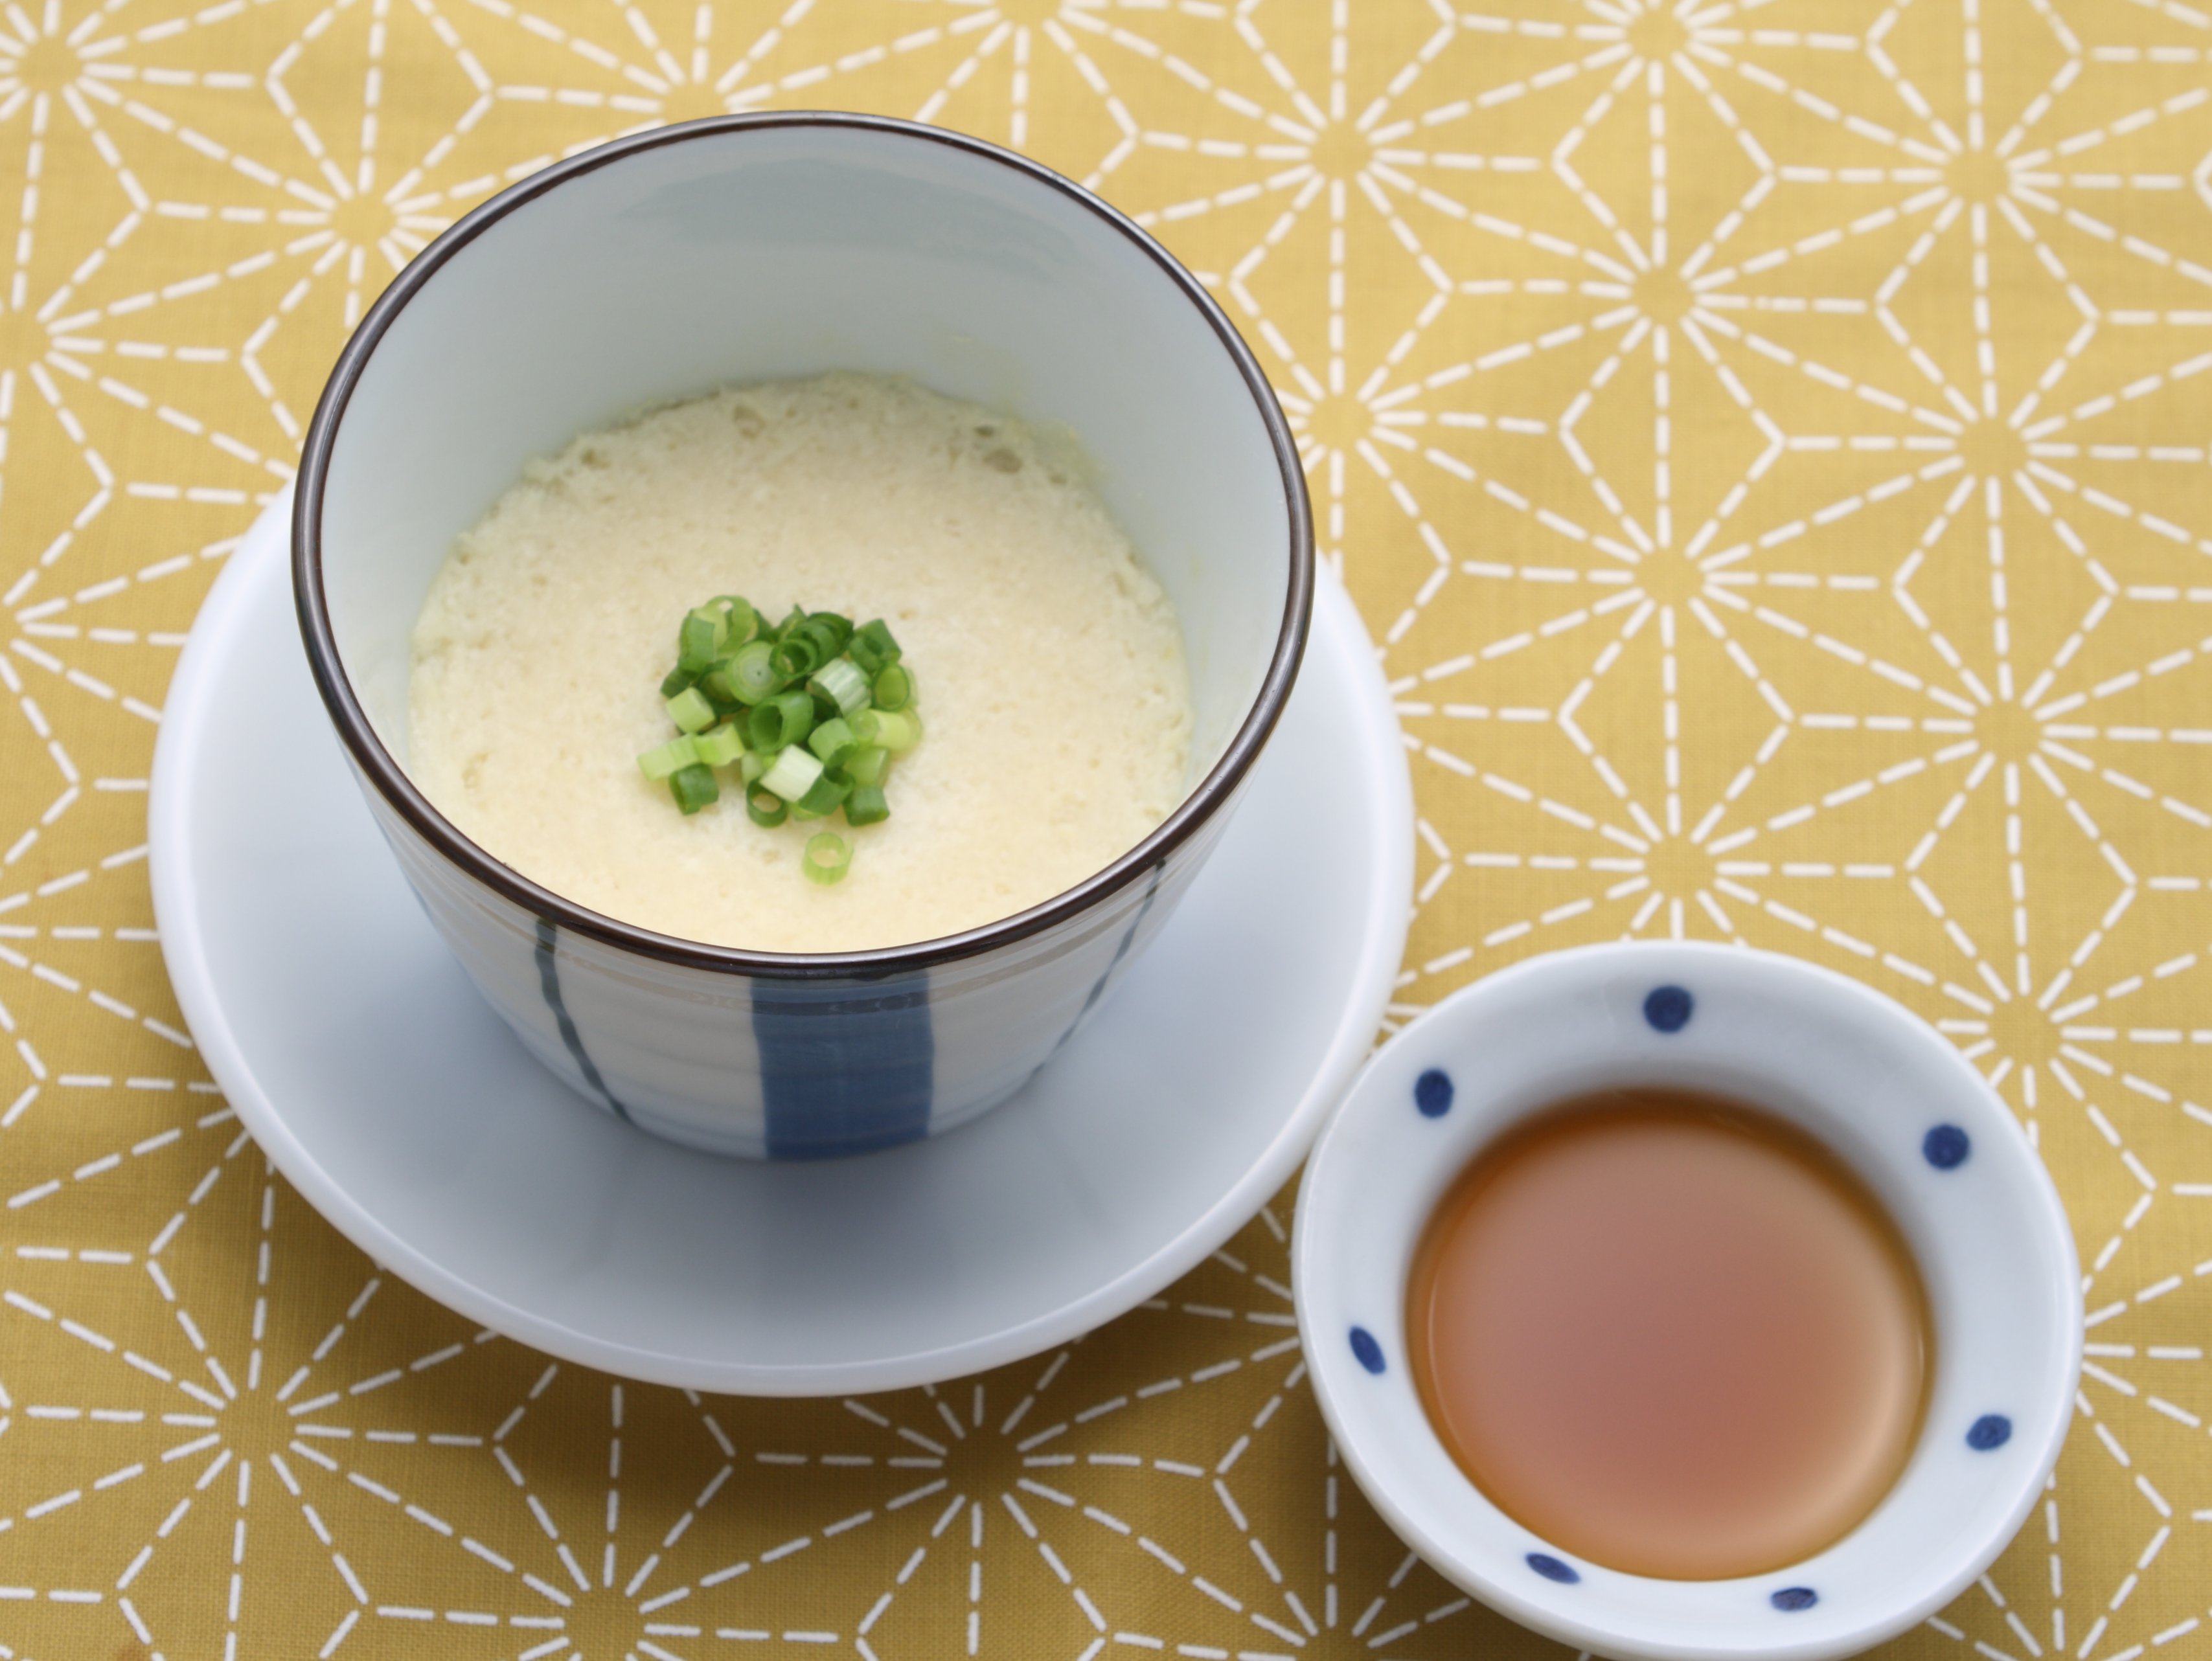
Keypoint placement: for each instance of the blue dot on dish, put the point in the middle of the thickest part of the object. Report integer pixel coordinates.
(1791, 1599)
(1553, 1569)
(1433, 1093)
(1366, 1350)
(1668, 1008)
(1946, 1147)
(1991, 1430)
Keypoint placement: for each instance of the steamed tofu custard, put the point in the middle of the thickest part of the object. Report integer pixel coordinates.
(810, 666)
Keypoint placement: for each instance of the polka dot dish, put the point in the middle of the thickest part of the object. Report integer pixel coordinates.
(1879, 1087)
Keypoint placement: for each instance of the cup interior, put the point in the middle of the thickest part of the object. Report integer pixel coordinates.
(768, 248)
(1857, 1071)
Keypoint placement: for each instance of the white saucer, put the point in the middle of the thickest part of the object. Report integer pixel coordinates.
(459, 1163)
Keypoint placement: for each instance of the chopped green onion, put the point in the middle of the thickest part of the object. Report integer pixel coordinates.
(676, 753)
(720, 746)
(894, 688)
(798, 655)
(847, 686)
(825, 795)
(694, 787)
(808, 712)
(832, 741)
(690, 711)
(792, 773)
(827, 859)
(783, 720)
(739, 617)
(898, 731)
(865, 805)
(750, 676)
(699, 639)
(873, 648)
(817, 633)
(876, 636)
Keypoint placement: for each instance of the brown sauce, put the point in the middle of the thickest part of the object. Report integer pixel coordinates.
(1670, 1335)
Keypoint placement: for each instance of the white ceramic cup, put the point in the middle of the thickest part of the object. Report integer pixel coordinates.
(759, 248)
(1867, 1078)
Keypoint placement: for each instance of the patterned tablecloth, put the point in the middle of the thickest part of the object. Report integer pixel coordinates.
(1769, 440)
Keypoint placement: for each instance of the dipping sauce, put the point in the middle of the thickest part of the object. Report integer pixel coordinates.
(1670, 1335)
(1048, 664)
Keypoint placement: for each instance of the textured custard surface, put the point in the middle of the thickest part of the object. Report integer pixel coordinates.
(1048, 666)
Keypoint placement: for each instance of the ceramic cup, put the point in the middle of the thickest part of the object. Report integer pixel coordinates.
(760, 248)
(1866, 1077)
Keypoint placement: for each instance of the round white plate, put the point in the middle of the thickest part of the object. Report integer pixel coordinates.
(388, 1092)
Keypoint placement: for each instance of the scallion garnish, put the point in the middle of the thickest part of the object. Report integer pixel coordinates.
(832, 741)
(719, 746)
(694, 787)
(737, 614)
(894, 687)
(876, 638)
(690, 711)
(658, 764)
(847, 686)
(825, 795)
(699, 640)
(895, 729)
(750, 676)
(808, 710)
(784, 719)
(865, 805)
(828, 858)
(792, 773)
(797, 655)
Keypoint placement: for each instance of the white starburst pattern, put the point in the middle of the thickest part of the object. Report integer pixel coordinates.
(1766, 438)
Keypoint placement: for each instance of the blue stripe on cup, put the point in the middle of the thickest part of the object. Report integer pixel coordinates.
(846, 1066)
(549, 986)
(1106, 975)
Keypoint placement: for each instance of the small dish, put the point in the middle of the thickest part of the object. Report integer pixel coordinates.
(452, 1157)
(1864, 1076)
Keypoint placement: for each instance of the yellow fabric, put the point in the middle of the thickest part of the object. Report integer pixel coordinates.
(1769, 440)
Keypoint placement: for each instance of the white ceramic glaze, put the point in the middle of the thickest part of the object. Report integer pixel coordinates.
(755, 247)
(353, 1047)
(1855, 1069)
